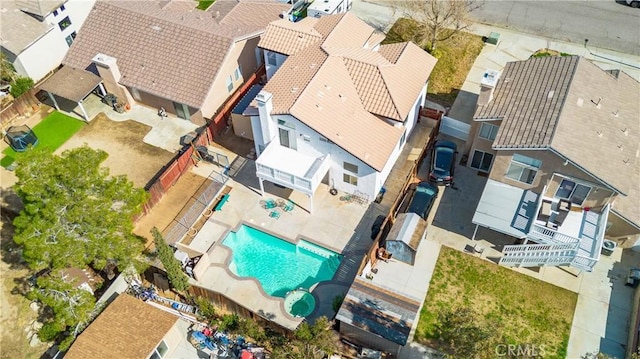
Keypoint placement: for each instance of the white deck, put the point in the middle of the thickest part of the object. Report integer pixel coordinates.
(286, 160)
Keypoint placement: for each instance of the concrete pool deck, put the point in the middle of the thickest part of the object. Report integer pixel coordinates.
(336, 225)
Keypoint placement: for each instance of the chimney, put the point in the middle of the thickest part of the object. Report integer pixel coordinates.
(110, 74)
(487, 85)
(267, 124)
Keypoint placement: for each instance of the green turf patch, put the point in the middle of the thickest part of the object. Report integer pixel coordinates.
(52, 132)
(518, 309)
(204, 4)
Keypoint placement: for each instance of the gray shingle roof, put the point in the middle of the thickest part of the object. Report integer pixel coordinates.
(19, 29)
(168, 50)
(581, 112)
(72, 84)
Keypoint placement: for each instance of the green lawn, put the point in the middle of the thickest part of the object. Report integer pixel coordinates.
(204, 4)
(455, 59)
(519, 309)
(52, 132)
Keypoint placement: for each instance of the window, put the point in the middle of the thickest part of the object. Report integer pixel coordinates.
(70, 38)
(62, 8)
(229, 83)
(160, 351)
(324, 139)
(481, 160)
(237, 73)
(574, 192)
(271, 58)
(523, 169)
(351, 176)
(488, 131)
(287, 124)
(403, 138)
(55, 12)
(65, 23)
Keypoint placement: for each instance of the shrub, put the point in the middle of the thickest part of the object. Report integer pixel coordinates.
(20, 86)
(205, 308)
(50, 331)
(337, 302)
(229, 322)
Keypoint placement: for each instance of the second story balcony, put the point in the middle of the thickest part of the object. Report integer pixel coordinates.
(291, 169)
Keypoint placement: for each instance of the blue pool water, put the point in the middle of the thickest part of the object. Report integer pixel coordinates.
(280, 266)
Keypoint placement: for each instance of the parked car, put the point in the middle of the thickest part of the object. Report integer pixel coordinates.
(443, 162)
(423, 198)
(633, 3)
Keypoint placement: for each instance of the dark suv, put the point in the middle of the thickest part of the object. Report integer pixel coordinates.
(423, 199)
(443, 162)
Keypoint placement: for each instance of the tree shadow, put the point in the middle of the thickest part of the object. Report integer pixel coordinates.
(10, 207)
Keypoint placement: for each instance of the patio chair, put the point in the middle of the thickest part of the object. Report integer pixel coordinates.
(274, 214)
(268, 204)
(288, 206)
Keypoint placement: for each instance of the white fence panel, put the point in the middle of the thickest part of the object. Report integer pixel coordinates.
(452, 127)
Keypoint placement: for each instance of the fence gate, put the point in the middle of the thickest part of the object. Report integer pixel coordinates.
(452, 127)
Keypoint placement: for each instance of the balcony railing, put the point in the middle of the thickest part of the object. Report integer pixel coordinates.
(542, 234)
(308, 183)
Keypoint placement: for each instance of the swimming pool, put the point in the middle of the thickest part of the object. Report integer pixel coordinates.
(278, 265)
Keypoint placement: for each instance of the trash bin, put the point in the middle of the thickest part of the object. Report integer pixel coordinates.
(608, 247)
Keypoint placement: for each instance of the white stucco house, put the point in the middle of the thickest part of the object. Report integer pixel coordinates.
(36, 34)
(338, 106)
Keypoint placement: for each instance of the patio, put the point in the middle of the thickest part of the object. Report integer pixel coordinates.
(336, 225)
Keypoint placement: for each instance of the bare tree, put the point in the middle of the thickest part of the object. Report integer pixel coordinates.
(436, 20)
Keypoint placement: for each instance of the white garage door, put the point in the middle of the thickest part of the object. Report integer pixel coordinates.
(452, 127)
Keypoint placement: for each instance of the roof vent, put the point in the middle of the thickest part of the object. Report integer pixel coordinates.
(342, 97)
(294, 89)
(626, 131)
(312, 65)
(320, 93)
(550, 94)
(621, 148)
(615, 114)
(327, 87)
(156, 27)
(318, 106)
(580, 102)
(599, 133)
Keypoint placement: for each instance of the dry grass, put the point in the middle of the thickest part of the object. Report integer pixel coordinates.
(518, 308)
(455, 58)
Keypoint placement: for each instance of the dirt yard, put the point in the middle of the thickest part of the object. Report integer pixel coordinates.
(128, 154)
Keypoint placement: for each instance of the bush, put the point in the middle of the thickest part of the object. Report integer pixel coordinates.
(20, 86)
(205, 308)
(337, 302)
(50, 331)
(229, 322)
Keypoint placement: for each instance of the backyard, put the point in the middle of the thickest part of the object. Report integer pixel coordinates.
(52, 132)
(502, 304)
(455, 58)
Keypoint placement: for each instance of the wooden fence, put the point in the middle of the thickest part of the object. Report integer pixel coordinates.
(19, 108)
(182, 162)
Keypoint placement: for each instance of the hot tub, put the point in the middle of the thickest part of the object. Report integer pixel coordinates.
(299, 303)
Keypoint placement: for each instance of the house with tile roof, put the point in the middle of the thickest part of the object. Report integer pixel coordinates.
(168, 54)
(559, 139)
(338, 106)
(131, 328)
(35, 35)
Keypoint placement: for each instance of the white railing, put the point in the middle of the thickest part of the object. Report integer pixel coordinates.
(584, 263)
(546, 235)
(540, 248)
(284, 178)
(536, 255)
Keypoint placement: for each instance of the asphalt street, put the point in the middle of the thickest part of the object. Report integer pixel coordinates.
(607, 24)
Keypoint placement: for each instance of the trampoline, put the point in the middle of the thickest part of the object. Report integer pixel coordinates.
(20, 137)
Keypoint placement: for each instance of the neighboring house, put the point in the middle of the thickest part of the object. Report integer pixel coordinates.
(168, 54)
(36, 34)
(302, 9)
(131, 328)
(559, 140)
(338, 107)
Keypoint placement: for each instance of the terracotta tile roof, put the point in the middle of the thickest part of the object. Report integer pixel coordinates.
(571, 106)
(392, 52)
(288, 38)
(127, 328)
(331, 106)
(169, 53)
(371, 85)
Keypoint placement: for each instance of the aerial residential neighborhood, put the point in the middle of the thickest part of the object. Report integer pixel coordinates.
(319, 179)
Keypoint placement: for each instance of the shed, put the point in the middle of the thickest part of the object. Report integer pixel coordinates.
(242, 123)
(404, 237)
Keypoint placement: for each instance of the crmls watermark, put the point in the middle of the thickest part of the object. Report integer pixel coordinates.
(520, 350)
